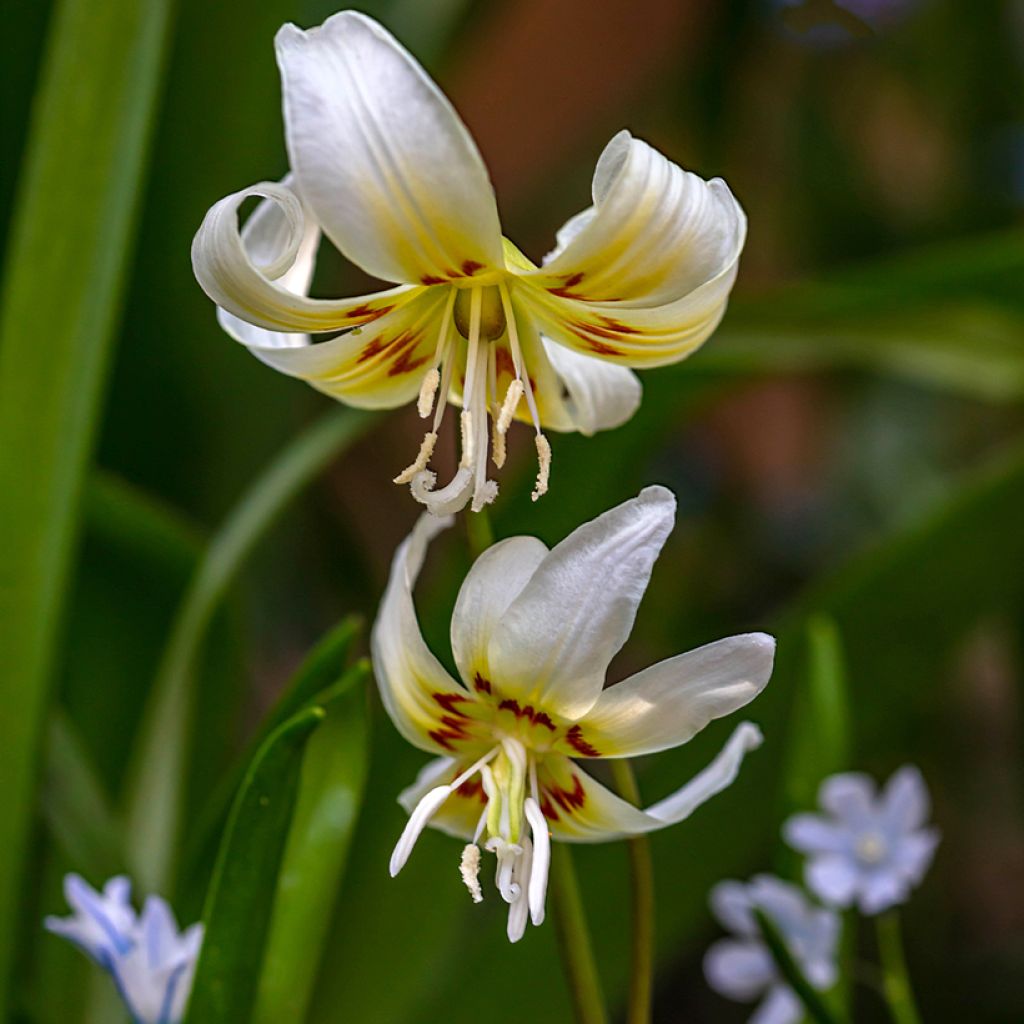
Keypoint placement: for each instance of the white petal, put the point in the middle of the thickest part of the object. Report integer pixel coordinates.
(579, 809)
(833, 878)
(739, 970)
(905, 803)
(380, 155)
(410, 678)
(667, 704)
(810, 833)
(600, 396)
(260, 286)
(495, 579)
(656, 233)
(553, 644)
(850, 796)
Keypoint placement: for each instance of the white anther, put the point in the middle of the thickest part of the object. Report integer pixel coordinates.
(426, 451)
(428, 391)
(497, 446)
(466, 423)
(544, 470)
(469, 868)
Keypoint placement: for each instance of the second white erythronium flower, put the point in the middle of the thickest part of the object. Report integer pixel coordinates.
(870, 848)
(742, 968)
(152, 964)
(532, 634)
(384, 167)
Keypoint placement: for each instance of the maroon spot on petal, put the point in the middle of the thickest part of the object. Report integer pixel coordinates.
(602, 348)
(429, 279)
(618, 325)
(569, 799)
(547, 808)
(374, 348)
(449, 701)
(530, 713)
(480, 684)
(574, 737)
(470, 267)
(366, 312)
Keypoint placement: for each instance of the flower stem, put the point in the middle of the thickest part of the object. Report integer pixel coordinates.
(479, 532)
(574, 940)
(641, 976)
(816, 1007)
(895, 978)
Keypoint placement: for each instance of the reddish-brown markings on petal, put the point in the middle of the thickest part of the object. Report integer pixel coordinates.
(449, 700)
(471, 788)
(574, 737)
(617, 325)
(503, 362)
(547, 808)
(429, 279)
(602, 348)
(366, 312)
(569, 799)
(480, 684)
(470, 267)
(406, 364)
(374, 348)
(565, 290)
(533, 716)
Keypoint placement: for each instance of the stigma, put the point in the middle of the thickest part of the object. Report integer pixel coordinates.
(477, 321)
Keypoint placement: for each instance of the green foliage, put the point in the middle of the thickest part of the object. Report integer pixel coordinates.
(71, 235)
(241, 897)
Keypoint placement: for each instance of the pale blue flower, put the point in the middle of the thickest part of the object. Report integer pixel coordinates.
(152, 964)
(742, 968)
(870, 848)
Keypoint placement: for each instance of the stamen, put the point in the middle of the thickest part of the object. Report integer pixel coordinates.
(538, 883)
(428, 391)
(498, 451)
(544, 470)
(426, 451)
(517, 913)
(422, 813)
(469, 868)
(466, 424)
(509, 406)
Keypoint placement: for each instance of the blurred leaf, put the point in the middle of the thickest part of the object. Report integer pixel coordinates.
(71, 235)
(76, 807)
(819, 733)
(331, 792)
(241, 896)
(161, 758)
(322, 667)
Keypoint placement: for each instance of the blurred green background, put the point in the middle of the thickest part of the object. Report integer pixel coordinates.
(849, 443)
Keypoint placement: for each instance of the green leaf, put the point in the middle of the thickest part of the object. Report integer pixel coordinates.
(65, 268)
(320, 669)
(75, 806)
(819, 735)
(161, 757)
(241, 896)
(331, 793)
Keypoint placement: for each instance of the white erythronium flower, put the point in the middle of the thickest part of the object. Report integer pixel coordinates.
(384, 167)
(152, 964)
(742, 968)
(532, 634)
(869, 848)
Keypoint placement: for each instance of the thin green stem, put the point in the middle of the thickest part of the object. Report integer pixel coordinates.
(479, 532)
(641, 976)
(574, 940)
(895, 977)
(815, 1005)
(160, 757)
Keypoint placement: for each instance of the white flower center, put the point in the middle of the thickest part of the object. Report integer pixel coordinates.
(482, 317)
(871, 848)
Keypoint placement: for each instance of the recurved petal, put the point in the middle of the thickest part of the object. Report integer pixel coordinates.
(600, 396)
(495, 579)
(554, 642)
(378, 366)
(429, 708)
(381, 156)
(579, 809)
(667, 704)
(256, 274)
(654, 233)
